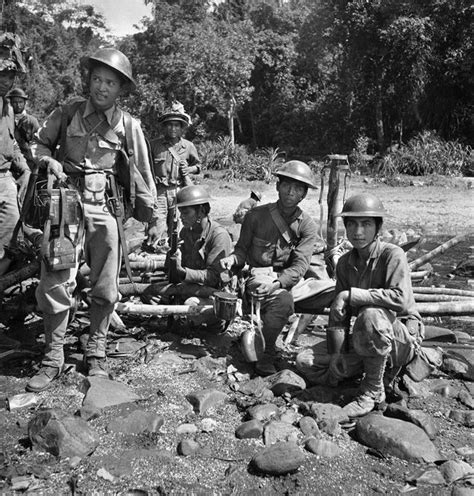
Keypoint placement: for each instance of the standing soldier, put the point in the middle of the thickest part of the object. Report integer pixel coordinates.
(101, 143)
(26, 124)
(174, 159)
(11, 158)
(373, 285)
(277, 241)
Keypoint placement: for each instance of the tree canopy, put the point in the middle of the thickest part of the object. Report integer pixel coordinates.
(307, 76)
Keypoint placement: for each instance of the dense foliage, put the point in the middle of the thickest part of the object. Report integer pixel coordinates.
(309, 77)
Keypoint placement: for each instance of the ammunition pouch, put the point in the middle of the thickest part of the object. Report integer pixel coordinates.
(94, 187)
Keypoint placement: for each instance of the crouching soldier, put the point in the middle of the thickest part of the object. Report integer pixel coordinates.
(276, 241)
(101, 148)
(373, 285)
(195, 270)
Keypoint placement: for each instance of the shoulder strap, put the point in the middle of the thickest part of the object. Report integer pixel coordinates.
(130, 152)
(288, 235)
(67, 113)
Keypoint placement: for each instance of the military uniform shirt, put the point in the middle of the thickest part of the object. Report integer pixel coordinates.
(262, 245)
(385, 282)
(202, 252)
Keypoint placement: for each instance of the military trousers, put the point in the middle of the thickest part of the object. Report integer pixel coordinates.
(376, 333)
(100, 248)
(9, 213)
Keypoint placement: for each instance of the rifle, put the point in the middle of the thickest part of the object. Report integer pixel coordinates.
(173, 257)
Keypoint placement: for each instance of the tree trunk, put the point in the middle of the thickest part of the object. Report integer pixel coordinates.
(379, 119)
(230, 120)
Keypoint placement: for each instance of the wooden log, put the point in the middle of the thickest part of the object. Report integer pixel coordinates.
(437, 251)
(443, 291)
(164, 310)
(138, 289)
(16, 276)
(446, 308)
(148, 265)
(421, 274)
(440, 297)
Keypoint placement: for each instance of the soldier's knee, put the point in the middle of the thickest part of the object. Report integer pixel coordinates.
(373, 331)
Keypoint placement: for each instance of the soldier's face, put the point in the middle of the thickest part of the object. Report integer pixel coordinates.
(291, 192)
(18, 104)
(190, 216)
(7, 78)
(361, 231)
(105, 87)
(173, 129)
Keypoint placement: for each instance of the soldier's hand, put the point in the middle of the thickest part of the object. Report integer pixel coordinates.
(228, 262)
(339, 306)
(55, 167)
(153, 235)
(183, 168)
(267, 288)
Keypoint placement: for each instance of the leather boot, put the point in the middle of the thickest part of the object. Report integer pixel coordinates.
(371, 389)
(43, 379)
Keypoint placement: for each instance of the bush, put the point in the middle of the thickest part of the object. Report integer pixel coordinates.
(237, 161)
(428, 154)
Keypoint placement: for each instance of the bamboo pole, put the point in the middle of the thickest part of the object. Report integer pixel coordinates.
(16, 276)
(440, 297)
(164, 310)
(421, 274)
(437, 251)
(444, 291)
(148, 265)
(446, 308)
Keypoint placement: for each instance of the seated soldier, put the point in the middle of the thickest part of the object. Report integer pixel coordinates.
(276, 241)
(373, 285)
(195, 270)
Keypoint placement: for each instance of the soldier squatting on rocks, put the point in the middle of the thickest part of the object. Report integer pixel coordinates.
(276, 241)
(12, 162)
(100, 143)
(373, 286)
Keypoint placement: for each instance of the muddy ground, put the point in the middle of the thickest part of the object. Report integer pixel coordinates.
(179, 361)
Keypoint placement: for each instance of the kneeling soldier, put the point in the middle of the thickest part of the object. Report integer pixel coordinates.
(373, 285)
(195, 270)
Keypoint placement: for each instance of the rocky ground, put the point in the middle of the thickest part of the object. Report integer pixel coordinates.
(184, 414)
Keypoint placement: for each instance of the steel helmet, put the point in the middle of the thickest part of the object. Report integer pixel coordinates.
(297, 170)
(363, 205)
(17, 92)
(175, 113)
(114, 59)
(192, 195)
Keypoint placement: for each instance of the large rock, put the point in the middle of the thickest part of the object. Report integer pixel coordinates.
(137, 422)
(454, 470)
(396, 437)
(464, 417)
(205, 399)
(61, 434)
(309, 427)
(417, 417)
(285, 381)
(101, 393)
(278, 459)
(327, 411)
(276, 431)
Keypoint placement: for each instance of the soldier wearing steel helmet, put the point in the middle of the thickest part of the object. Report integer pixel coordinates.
(373, 285)
(174, 160)
(12, 162)
(97, 138)
(203, 242)
(26, 124)
(277, 241)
